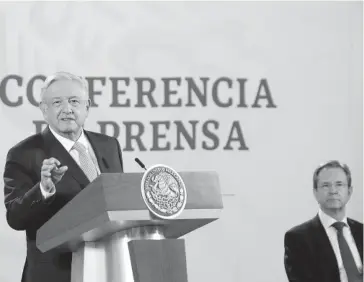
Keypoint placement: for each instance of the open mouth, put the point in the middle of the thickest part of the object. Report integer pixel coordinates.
(67, 119)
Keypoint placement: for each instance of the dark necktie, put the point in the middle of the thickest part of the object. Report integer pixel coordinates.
(346, 255)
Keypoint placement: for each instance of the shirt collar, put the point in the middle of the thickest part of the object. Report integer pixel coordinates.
(67, 143)
(327, 220)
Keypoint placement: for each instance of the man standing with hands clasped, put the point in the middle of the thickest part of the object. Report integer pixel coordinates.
(329, 247)
(45, 171)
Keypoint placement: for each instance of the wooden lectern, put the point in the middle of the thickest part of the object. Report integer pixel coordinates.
(115, 238)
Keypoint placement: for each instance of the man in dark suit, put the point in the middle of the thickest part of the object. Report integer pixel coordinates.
(45, 171)
(329, 247)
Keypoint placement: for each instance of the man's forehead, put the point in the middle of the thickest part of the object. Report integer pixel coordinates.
(332, 173)
(65, 87)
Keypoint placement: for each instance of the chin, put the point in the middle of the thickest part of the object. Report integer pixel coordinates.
(69, 129)
(334, 205)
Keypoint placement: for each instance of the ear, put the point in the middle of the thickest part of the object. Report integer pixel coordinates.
(350, 190)
(314, 190)
(88, 104)
(43, 108)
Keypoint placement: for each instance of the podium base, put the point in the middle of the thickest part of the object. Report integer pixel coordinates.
(108, 260)
(158, 261)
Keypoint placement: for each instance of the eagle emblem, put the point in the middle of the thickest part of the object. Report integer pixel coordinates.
(163, 191)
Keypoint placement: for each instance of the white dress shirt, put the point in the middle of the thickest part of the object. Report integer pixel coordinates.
(331, 232)
(68, 145)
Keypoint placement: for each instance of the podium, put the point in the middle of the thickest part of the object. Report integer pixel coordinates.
(114, 237)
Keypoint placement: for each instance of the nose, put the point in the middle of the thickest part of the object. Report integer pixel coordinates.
(66, 107)
(333, 189)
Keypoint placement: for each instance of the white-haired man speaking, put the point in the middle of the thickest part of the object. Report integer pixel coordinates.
(46, 170)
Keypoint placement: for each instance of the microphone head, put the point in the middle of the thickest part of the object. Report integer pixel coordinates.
(140, 163)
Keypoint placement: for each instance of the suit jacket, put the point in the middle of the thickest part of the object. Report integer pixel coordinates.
(27, 210)
(309, 256)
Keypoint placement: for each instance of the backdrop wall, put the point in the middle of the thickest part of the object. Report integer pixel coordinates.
(262, 93)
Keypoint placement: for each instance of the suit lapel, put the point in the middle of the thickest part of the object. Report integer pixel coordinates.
(357, 233)
(98, 148)
(324, 250)
(56, 150)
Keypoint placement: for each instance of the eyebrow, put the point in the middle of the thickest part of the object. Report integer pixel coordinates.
(327, 182)
(68, 97)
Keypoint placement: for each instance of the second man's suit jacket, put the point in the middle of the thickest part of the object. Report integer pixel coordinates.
(308, 254)
(27, 210)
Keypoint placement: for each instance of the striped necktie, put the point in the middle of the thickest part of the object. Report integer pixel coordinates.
(86, 163)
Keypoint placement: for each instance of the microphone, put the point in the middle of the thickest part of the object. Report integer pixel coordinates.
(140, 163)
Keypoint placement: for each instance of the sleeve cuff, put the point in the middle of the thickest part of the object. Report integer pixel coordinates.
(47, 194)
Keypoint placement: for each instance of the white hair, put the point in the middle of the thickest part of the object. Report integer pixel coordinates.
(62, 75)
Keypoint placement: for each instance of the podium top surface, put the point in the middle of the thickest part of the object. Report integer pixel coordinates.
(113, 202)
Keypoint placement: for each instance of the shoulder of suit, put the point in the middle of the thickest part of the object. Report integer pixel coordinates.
(303, 227)
(31, 142)
(24, 150)
(100, 136)
(355, 222)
